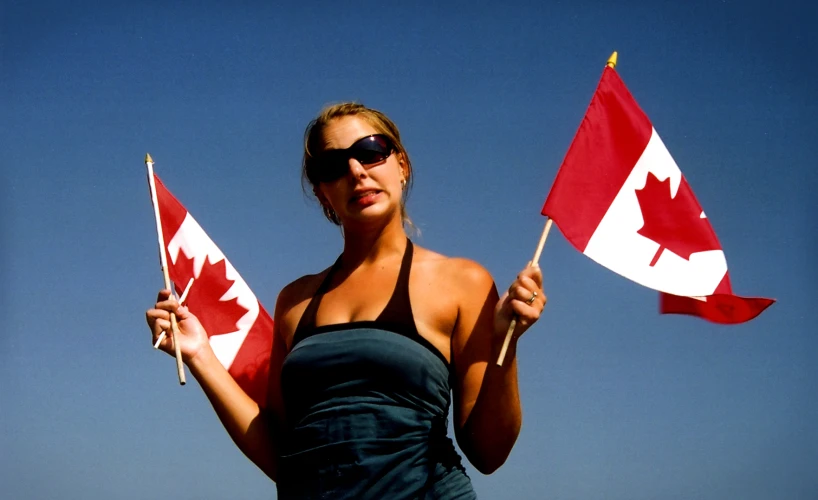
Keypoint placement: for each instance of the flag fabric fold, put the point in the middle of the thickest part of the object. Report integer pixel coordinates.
(239, 328)
(620, 199)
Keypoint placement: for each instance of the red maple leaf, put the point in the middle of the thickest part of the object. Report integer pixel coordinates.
(675, 223)
(217, 316)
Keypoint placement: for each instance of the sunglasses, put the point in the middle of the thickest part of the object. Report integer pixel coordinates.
(332, 164)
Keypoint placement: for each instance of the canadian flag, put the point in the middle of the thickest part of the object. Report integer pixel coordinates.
(239, 328)
(620, 199)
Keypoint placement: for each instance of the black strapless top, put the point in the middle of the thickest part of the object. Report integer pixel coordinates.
(367, 405)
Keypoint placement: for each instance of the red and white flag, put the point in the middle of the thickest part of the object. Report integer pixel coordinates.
(620, 199)
(240, 330)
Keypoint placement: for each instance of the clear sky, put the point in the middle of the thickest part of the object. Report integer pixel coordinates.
(619, 402)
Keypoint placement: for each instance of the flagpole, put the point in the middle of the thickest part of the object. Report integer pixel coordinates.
(174, 326)
(611, 63)
(534, 262)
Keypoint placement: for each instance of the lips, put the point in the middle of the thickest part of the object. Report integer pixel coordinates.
(364, 195)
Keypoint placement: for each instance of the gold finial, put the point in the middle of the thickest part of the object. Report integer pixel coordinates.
(148, 158)
(612, 61)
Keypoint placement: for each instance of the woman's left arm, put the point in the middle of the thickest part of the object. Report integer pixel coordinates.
(487, 407)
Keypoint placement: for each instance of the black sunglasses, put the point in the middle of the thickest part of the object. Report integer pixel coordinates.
(332, 164)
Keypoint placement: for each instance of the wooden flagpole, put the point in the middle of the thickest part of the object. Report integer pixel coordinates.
(611, 64)
(174, 326)
(534, 261)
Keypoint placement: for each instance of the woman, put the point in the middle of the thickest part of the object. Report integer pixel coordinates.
(369, 354)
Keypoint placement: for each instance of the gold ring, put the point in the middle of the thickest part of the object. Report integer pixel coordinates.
(531, 300)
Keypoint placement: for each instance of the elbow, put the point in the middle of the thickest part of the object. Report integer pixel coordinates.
(488, 455)
(487, 467)
(491, 459)
(261, 447)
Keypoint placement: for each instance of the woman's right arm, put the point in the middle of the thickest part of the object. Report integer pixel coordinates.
(252, 428)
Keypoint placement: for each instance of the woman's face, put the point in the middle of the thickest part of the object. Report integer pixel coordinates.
(367, 192)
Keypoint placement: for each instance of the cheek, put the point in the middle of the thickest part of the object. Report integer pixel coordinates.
(324, 193)
(393, 174)
(333, 193)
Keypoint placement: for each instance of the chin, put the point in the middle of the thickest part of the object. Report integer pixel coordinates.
(372, 215)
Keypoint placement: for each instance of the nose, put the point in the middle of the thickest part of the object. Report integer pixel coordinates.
(355, 168)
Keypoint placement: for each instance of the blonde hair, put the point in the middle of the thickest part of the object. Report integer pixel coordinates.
(313, 144)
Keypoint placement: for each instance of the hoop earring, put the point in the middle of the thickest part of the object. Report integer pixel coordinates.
(330, 214)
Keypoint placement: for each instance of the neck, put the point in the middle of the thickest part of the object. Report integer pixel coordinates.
(368, 245)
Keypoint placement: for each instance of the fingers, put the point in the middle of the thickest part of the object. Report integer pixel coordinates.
(182, 313)
(165, 305)
(524, 283)
(159, 323)
(161, 326)
(533, 273)
(190, 333)
(526, 298)
(534, 301)
(152, 316)
(527, 314)
(158, 319)
(526, 291)
(170, 304)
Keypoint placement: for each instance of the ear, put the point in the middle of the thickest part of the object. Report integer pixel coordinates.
(404, 169)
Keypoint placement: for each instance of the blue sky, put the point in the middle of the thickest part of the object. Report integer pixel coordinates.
(619, 402)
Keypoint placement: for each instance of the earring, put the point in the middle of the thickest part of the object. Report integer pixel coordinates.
(403, 184)
(330, 213)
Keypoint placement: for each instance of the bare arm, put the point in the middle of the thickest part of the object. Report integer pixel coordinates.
(252, 428)
(488, 414)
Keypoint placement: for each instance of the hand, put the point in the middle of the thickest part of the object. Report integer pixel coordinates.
(191, 336)
(524, 299)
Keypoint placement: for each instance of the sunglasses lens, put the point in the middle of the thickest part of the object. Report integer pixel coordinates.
(367, 157)
(369, 151)
(333, 166)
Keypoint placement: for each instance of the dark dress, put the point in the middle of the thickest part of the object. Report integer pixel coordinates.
(367, 406)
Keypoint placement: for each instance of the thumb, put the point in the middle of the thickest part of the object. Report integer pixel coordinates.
(183, 312)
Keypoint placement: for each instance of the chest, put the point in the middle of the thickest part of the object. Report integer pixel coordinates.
(363, 296)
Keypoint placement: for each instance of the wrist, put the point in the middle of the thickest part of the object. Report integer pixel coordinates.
(202, 359)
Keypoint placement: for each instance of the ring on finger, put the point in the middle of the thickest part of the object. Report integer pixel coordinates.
(531, 300)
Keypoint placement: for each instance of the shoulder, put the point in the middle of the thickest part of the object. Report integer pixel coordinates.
(293, 299)
(471, 273)
(295, 291)
(461, 273)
